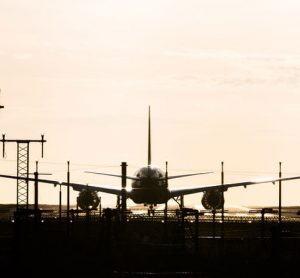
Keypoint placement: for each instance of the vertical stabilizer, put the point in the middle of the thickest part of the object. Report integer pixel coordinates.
(149, 137)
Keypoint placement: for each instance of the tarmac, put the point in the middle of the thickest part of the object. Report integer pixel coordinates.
(112, 244)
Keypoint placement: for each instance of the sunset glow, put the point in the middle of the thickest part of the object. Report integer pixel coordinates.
(222, 79)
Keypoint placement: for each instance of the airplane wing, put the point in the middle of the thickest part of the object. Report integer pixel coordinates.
(186, 175)
(99, 188)
(196, 189)
(54, 182)
(76, 186)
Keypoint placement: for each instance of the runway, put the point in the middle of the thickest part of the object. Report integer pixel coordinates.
(181, 243)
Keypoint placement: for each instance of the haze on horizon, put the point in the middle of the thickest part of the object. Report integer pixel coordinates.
(222, 79)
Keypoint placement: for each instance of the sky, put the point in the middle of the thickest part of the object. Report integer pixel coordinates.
(222, 79)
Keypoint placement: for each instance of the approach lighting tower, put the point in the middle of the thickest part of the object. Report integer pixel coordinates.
(22, 166)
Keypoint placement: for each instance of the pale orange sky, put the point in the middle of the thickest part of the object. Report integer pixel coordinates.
(222, 78)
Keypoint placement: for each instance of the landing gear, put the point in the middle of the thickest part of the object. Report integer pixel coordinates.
(151, 210)
(166, 211)
(180, 201)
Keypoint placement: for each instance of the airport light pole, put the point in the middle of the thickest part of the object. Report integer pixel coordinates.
(59, 202)
(124, 195)
(214, 222)
(124, 183)
(166, 203)
(222, 183)
(36, 190)
(68, 198)
(280, 195)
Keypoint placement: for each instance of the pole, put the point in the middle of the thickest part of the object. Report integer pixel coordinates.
(183, 226)
(222, 182)
(263, 223)
(167, 175)
(68, 198)
(124, 197)
(36, 193)
(196, 231)
(59, 202)
(77, 208)
(166, 212)
(42, 141)
(100, 207)
(36, 201)
(214, 222)
(166, 203)
(279, 209)
(124, 179)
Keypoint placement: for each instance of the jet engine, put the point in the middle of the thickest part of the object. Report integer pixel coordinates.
(212, 200)
(88, 199)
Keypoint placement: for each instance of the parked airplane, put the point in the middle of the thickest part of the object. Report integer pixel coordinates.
(150, 186)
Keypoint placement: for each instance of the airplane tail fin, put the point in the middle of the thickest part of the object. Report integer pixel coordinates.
(149, 137)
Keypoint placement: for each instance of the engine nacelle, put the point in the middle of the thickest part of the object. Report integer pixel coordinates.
(212, 200)
(88, 199)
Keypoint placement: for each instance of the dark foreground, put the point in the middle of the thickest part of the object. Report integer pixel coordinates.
(139, 246)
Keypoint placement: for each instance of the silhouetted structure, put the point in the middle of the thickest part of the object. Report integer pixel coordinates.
(22, 166)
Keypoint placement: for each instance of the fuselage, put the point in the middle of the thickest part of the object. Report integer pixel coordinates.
(151, 186)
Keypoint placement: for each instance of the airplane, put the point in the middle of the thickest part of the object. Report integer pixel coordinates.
(150, 186)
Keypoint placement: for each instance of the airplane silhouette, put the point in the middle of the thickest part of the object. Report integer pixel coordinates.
(150, 186)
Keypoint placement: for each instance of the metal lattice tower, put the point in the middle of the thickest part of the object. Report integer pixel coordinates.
(23, 168)
(22, 171)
